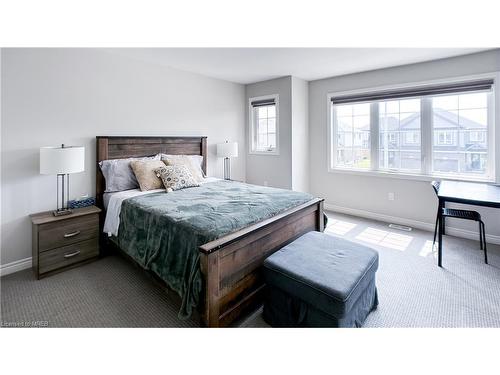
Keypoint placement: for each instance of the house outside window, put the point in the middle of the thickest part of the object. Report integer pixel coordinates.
(443, 131)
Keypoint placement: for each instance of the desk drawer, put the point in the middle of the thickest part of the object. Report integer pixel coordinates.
(64, 256)
(68, 231)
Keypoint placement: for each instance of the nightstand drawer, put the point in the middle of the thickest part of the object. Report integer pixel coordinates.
(64, 256)
(68, 231)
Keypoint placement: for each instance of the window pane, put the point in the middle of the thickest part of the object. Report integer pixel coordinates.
(262, 112)
(410, 105)
(271, 125)
(460, 134)
(271, 111)
(389, 107)
(344, 139)
(343, 110)
(271, 140)
(445, 102)
(445, 161)
(361, 109)
(361, 158)
(262, 142)
(344, 124)
(476, 100)
(353, 135)
(443, 119)
(262, 128)
(399, 137)
(389, 159)
(361, 132)
(344, 157)
(471, 118)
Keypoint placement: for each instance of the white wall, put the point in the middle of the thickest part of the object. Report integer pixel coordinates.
(300, 135)
(275, 170)
(54, 96)
(414, 200)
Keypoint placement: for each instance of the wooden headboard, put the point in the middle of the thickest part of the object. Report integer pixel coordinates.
(127, 147)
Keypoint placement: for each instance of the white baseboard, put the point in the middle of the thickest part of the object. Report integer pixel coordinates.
(457, 232)
(18, 265)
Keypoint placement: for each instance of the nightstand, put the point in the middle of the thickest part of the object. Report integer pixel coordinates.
(63, 242)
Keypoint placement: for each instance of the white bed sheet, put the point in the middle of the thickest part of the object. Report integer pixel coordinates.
(113, 203)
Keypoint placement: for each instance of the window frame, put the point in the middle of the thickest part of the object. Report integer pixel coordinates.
(252, 126)
(426, 135)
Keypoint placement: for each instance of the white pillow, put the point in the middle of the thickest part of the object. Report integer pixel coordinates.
(119, 175)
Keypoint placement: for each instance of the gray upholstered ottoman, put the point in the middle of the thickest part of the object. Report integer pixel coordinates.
(320, 281)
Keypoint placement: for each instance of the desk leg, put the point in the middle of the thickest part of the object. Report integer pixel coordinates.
(440, 233)
(443, 219)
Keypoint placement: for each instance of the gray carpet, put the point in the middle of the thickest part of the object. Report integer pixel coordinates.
(413, 291)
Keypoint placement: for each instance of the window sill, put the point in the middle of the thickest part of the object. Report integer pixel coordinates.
(408, 176)
(276, 152)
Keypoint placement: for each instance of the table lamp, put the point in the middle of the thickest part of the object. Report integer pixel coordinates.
(227, 151)
(62, 161)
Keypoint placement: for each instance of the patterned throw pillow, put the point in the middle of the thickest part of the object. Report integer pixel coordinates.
(176, 177)
(191, 162)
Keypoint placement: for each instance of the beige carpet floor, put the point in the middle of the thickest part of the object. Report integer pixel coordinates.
(413, 291)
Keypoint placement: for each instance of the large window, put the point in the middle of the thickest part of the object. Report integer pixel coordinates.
(264, 125)
(441, 130)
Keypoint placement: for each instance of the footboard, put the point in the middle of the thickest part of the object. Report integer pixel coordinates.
(231, 264)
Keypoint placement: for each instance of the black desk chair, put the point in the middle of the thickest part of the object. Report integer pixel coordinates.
(461, 214)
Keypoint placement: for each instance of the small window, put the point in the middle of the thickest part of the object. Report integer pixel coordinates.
(445, 138)
(477, 136)
(264, 125)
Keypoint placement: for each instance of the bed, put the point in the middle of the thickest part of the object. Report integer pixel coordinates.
(227, 273)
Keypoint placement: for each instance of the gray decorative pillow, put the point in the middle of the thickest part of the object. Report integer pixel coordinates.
(192, 162)
(176, 177)
(119, 175)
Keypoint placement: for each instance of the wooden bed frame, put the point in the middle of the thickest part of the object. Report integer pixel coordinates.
(230, 265)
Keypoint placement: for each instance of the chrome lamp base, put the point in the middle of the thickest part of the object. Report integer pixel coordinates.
(227, 168)
(63, 194)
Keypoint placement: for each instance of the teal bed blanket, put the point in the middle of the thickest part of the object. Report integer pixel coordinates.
(162, 231)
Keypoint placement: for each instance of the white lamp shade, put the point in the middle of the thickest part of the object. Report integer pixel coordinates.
(227, 150)
(62, 160)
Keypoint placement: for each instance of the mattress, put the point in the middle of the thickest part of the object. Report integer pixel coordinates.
(162, 231)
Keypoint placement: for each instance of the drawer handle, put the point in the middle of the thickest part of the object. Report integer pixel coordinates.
(72, 254)
(68, 235)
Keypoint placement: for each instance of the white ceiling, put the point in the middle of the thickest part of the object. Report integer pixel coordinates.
(247, 65)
